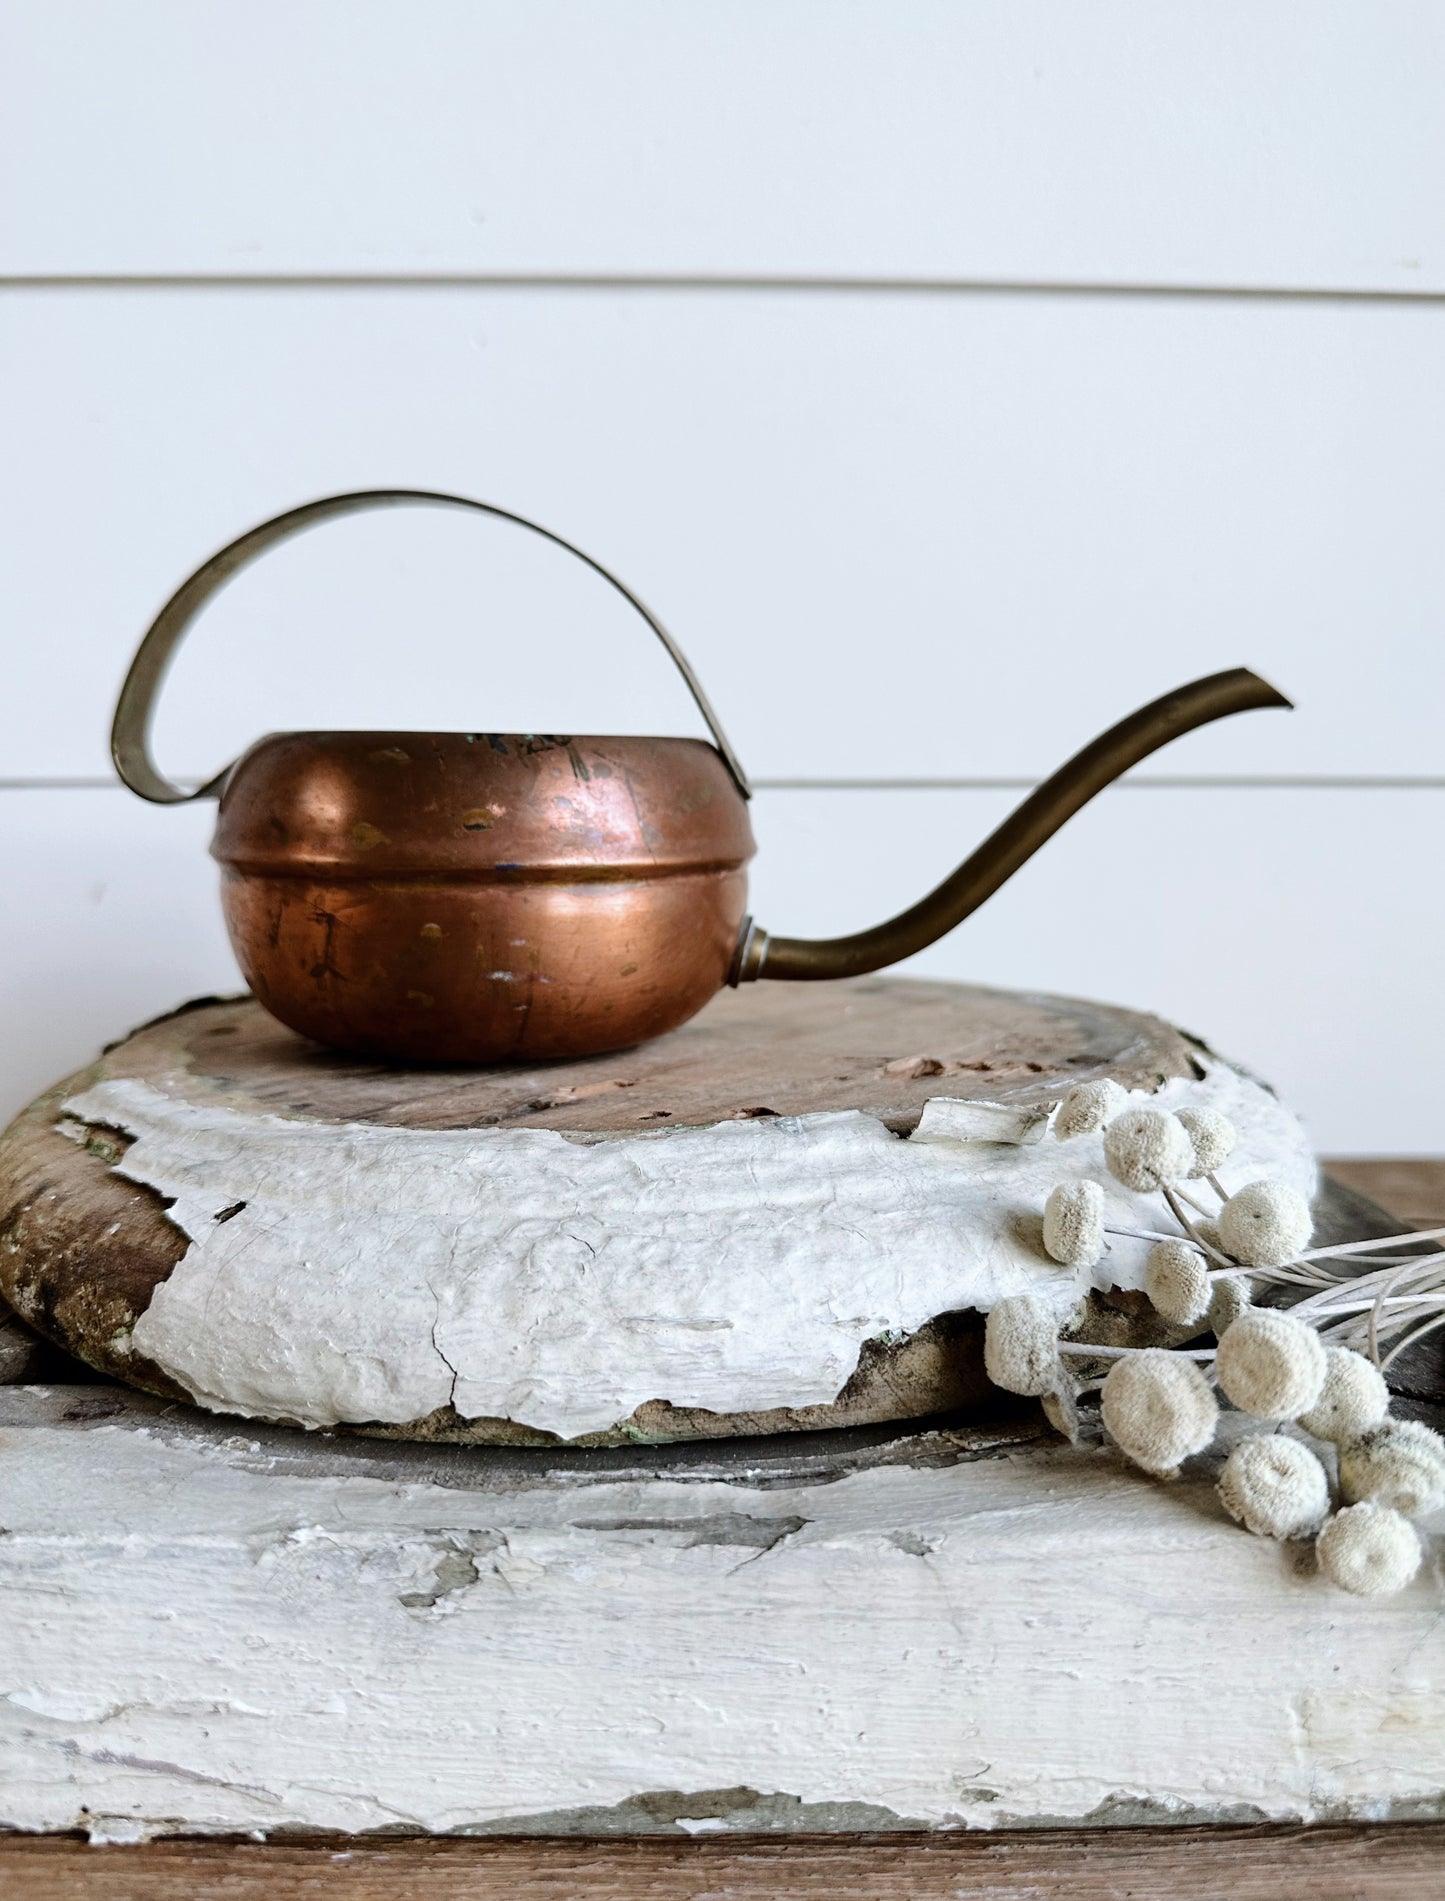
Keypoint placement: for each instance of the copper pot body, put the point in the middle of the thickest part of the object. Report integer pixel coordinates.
(482, 897)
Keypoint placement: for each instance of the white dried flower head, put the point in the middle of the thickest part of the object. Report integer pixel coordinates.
(1074, 1223)
(1270, 1364)
(1087, 1107)
(1159, 1409)
(1353, 1398)
(1369, 1550)
(1232, 1296)
(1399, 1463)
(1177, 1282)
(1213, 1137)
(1148, 1149)
(1275, 1487)
(1265, 1225)
(1021, 1345)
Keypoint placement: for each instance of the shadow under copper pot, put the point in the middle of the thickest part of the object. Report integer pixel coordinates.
(482, 897)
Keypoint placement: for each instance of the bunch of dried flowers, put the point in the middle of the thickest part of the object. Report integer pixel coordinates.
(1317, 1369)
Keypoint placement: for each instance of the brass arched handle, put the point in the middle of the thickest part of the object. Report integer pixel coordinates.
(130, 733)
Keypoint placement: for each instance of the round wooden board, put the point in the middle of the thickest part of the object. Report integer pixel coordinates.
(82, 1249)
(880, 1044)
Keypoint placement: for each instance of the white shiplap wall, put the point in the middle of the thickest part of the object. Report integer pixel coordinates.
(950, 376)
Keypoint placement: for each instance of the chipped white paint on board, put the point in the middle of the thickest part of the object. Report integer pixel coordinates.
(953, 1119)
(376, 1274)
(205, 1633)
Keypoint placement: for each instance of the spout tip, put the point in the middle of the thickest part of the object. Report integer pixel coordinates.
(1267, 694)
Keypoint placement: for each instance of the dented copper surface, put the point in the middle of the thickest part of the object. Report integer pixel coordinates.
(475, 897)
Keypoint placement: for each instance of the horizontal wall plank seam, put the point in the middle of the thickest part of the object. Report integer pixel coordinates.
(1145, 782)
(706, 282)
(1217, 782)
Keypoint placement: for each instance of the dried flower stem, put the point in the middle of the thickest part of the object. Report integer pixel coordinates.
(1370, 1247)
(1198, 1206)
(1392, 1298)
(1152, 1234)
(1292, 1275)
(1085, 1351)
(1377, 1309)
(1176, 1208)
(1435, 1320)
(1337, 1310)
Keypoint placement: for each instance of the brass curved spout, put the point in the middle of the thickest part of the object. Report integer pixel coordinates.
(1014, 842)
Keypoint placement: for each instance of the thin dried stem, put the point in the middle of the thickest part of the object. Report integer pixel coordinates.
(1176, 1208)
(1369, 1247)
(1084, 1350)
(1366, 1310)
(1198, 1206)
(1378, 1308)
(1435, 1320)
(1153, 1234)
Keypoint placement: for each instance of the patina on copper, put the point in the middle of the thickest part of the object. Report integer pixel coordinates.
(501, 897)
(479, 897)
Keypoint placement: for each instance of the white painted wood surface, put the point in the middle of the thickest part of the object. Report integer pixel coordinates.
(208, 1632)
(342, 1272)
(905, 533)
(1196, 142)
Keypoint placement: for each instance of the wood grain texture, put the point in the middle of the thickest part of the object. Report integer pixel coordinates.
(219, 1631)
(883, 1045)
(1399, 1863)
(1411, 1187)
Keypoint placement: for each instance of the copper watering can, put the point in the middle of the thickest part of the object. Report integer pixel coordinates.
(500, 897)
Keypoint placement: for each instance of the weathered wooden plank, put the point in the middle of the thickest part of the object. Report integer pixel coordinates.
(1411, 1187)
(217, 1631)
(1364, 1863)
